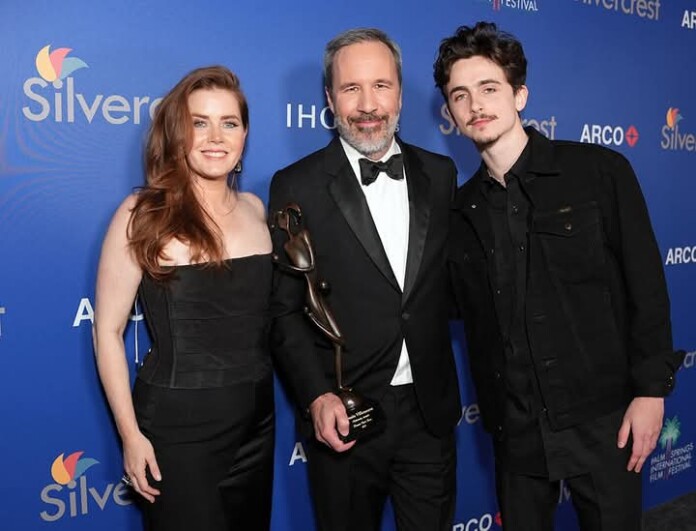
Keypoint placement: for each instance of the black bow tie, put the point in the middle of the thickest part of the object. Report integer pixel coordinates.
(393, 167)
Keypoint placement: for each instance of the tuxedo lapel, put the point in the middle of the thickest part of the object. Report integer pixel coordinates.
(419, 216)
(350, 200)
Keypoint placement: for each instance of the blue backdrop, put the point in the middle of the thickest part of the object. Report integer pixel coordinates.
(615, 72)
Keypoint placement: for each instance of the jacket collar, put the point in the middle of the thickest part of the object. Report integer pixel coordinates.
(350, 200)
(542, 159)
(541, 163)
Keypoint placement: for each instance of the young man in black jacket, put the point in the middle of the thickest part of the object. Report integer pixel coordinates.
(559, 279)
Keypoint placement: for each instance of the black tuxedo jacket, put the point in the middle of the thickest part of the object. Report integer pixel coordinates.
(373, 313)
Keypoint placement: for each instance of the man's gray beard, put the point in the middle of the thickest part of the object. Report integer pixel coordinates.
(367, 147)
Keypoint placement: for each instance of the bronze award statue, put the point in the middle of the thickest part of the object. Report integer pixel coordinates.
(365, 416)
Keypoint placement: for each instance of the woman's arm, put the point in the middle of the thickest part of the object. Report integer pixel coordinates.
(118, 278)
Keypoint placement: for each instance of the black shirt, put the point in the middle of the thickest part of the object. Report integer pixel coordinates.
(528, 445)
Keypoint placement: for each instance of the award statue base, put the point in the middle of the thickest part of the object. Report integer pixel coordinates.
(366, 416)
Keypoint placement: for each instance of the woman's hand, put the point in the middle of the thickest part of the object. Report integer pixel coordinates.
(139, 455)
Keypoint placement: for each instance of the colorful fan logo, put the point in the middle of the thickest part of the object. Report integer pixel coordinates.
(65, 470)
(673, 117)
(56, 64)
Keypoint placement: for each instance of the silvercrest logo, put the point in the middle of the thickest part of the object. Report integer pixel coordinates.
(70, 494)
(646, 9)
(65, 104)
(546, 126)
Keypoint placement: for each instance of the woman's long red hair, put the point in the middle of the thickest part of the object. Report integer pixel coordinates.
(167, 206)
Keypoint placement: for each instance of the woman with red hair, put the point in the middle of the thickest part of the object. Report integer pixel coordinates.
(197, 430)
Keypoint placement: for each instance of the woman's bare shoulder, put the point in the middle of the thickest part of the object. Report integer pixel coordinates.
(254, 203)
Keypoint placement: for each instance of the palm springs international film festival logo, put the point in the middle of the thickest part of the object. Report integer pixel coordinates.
(522, 5)
(55, 96)
(70, 495)
(672, 138)
(672, 459)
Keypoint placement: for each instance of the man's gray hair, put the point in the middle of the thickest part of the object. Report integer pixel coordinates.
(354, 36)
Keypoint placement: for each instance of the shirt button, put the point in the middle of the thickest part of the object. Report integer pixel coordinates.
(515, 209)
(568, 226)
(497, 375)
(522, 248)
(405, 316)
(492, 251)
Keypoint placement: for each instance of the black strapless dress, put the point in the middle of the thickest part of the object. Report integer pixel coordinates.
(204, 396)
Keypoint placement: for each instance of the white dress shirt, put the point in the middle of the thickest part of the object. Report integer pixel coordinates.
(387, 200)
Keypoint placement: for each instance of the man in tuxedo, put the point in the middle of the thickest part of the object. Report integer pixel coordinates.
(559, 280)
(377, 211)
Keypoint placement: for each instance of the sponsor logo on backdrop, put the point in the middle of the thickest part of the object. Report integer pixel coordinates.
(521, 5)
(672, 138)
(298, 454)
(300, 115)
(310, 116)
(2, 312)
(484, 522)
(646, 9)
(85, 313)
(681, 255)
(689, 19)
(470, 414)
(672, 459)
(609, 135)
(55, 95)
(56, 65)
(689, 360)
(70, 495)
(546, 126)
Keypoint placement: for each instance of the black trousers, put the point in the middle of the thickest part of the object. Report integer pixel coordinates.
(608, 498)
(416, 469)
(214, 448)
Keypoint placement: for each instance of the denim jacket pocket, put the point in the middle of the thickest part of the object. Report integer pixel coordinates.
(571, 240)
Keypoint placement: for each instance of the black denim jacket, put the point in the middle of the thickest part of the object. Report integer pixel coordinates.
(597, 308)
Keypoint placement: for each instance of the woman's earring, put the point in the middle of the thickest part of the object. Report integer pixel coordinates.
(238, 167)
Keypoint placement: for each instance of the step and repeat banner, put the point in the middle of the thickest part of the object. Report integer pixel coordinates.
(79, 82)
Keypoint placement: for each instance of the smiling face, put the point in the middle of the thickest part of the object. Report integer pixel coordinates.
(218, 133)
(482, 102)
(366, 97)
